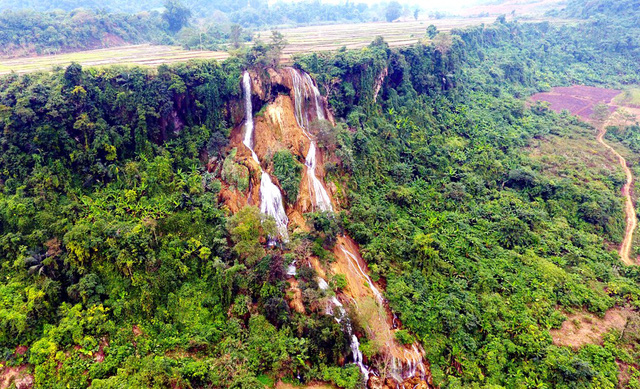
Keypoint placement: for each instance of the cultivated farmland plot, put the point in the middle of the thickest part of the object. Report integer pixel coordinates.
(355, 36)
(149, 55)
(300, 40)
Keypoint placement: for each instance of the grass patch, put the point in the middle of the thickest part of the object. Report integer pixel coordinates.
(266, 380)
(630, 96)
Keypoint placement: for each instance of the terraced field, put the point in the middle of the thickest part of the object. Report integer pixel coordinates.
(354, 36)
(149, 55)
(300, 40)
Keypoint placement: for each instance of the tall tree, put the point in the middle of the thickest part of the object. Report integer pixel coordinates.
(235, 35)
(176, 15)
(393, 12)
(278, 43)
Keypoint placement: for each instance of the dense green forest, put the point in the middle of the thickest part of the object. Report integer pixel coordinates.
(29, 32)
(481, 248)
(121, 269)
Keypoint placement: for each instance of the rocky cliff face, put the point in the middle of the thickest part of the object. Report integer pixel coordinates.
(287, 101)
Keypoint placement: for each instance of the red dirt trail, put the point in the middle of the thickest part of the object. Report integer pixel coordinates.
(580, 101)
(631, 219)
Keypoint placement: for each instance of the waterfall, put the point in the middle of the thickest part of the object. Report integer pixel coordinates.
(305, 90)
(270, 196)
(358, 358)
(322, 284)
(412, 367)
(291, 269)
(307, 100)
(353, 261)
(413, 358)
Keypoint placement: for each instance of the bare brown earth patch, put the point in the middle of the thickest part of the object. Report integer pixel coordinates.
(580, 101)
(583, 328)
(294, 295)
(17, 376)
(577, 99)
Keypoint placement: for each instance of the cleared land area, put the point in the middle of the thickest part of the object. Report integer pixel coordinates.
(585, 328)
(580, 101)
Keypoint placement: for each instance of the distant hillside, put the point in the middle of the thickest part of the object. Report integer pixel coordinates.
(69, 5)
(204, 6)
(613, 25)
(243, 12)
(516, 7)
(624, 10)
(28, 32)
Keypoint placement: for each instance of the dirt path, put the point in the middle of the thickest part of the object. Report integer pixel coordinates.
(583, 327)
(625, 247)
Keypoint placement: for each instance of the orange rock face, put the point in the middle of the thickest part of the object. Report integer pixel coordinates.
(275, 129)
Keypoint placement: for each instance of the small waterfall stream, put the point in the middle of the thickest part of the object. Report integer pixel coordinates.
(270, 196)
(305, 91)
(353, 261)
(341, 315)
(306, 97)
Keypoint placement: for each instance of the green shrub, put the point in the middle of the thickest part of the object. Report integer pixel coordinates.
(347, 377)
(234, 173)
(339, 281)
(288, 171)
(404, 337)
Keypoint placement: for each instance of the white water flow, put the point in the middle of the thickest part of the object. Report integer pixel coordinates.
(412, 364)
(355, 264)
(270, 196)
(291, 269)
(341, 315)
(306, 97)
(305, 92)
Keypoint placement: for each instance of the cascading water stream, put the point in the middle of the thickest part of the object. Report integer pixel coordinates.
(270, 196)
(304, 89)
(306, 94)
(353, 261)
(358, 358)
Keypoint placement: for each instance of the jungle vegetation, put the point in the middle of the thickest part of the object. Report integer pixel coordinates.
(120, 267)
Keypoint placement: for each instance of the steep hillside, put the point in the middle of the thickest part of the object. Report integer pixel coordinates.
(291, 124)
(25, 33)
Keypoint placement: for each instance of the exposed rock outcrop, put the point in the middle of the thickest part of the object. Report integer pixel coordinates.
(287, 102)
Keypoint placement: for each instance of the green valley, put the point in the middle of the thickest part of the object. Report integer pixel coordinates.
(389, 215)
